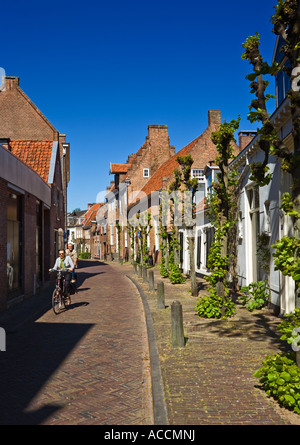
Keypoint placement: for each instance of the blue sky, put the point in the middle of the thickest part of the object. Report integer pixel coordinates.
(102, 71)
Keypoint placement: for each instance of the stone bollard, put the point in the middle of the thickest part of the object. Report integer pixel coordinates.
(134, 269)
(145, 274)
(140, 272)
(161, 295)
(151, 280)
(177, 325)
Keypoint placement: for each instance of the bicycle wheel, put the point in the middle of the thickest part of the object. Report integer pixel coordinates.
(57, 301)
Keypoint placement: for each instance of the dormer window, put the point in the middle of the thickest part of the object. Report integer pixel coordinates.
(146, 172)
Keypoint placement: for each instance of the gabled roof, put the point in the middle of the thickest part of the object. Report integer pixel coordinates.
(35, 154)
(91, 215)
(118, 168)
(155, 183)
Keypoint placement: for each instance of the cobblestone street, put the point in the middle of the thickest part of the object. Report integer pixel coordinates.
(91, 364)
(88, 365)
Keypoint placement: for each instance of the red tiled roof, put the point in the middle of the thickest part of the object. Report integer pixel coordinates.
(35, 154)
(118, 168)
(91, 214)
(166, 170)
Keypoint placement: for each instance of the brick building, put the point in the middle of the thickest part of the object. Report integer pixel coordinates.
(34, 172)
(31, 217)
(129, 179)
(22, 120)
(203, 151)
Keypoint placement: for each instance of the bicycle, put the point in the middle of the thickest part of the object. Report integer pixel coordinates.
(59, 294)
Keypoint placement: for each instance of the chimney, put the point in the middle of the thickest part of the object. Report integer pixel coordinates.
(11, 83)
(158, 134)
(5, 143)
(172, 149)
(214, 117)
(245, 137)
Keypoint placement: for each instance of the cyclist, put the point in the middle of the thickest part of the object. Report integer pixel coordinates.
(64, 262)
(71, 252)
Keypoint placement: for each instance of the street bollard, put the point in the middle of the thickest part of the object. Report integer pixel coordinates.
(160, 295)
(145, 274)
(177, 325)
(134, 268)
(140, 272)
(151, 280)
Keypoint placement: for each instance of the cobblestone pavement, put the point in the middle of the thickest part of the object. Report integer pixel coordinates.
(88, 365)
(210, 380)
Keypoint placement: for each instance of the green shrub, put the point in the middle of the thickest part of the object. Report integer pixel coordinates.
(210, 306)
(280, 374)
(280, 377)
(255, 296)
(84, 255)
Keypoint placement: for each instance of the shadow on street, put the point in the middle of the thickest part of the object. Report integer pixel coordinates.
(32, 355)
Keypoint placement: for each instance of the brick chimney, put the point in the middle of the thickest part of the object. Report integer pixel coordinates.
(245, 137)
(214, 117)
(11, 82)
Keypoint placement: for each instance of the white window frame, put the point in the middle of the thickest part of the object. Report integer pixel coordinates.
(148, 172)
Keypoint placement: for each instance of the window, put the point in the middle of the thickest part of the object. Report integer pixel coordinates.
(240, 226)
(253, 195)
(267, 220)
(146, 172)
(197, 173)
(198, 249)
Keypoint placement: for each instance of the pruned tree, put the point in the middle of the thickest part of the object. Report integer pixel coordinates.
(222, 213)
(286, 24)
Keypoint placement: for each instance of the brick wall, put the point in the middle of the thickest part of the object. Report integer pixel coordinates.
(154, 152)
(20, 118)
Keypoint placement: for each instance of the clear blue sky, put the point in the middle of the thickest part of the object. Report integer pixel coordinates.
(102, 71)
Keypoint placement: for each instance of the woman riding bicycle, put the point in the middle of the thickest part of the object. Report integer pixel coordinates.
(64, 262)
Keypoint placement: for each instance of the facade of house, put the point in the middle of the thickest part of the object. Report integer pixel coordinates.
(33, 176)
(32, 221)
(74, 220)
(91, 241)
(129, 180)
(260, 213)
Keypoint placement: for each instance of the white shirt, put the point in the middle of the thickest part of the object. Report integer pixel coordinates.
(67, 262)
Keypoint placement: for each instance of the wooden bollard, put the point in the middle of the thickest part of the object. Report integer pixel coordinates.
(151, 280)
(161, 295)
(177, 325)
(134, 268)
(140, 272)
(145, 274)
